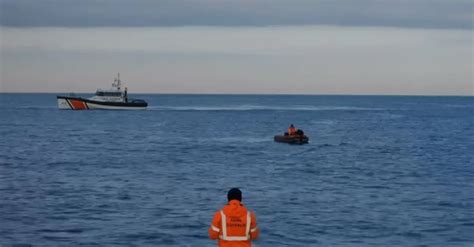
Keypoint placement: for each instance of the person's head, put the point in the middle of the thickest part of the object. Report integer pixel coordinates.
(291, 126)
(234, 194)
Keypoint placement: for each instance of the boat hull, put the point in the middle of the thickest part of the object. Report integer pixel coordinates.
(78, 103)
(291, 139)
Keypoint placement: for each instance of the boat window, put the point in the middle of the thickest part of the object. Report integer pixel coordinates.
(109, 94)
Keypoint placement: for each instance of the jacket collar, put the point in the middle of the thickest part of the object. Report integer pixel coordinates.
(234, 202)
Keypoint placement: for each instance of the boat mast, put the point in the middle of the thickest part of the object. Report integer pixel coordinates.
(118, 81)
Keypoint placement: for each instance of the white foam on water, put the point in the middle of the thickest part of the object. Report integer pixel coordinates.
(263, 108)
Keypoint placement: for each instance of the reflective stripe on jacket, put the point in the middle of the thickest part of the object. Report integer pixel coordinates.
(234, 225)
(236, 230)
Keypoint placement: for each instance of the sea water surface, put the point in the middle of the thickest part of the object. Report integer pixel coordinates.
(378, 171)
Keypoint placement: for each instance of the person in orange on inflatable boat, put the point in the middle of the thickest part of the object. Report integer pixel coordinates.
(234, 225)
(292, 130)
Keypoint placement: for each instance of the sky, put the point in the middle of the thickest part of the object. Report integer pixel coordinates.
(402, 47)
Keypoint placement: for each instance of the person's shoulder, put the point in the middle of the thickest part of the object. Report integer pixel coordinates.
(249, 210)
(217, 216)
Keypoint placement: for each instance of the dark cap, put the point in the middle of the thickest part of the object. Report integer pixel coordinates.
(234, 194)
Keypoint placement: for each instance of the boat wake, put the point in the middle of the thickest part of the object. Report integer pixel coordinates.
(262, 108)
(35, 107)
(228, 140)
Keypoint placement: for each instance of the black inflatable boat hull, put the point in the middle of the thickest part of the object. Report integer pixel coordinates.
(291, 139)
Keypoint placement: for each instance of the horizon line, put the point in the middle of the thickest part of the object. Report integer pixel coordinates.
(262, 94)
(327, 25)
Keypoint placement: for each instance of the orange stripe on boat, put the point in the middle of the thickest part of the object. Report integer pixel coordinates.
(77, 104)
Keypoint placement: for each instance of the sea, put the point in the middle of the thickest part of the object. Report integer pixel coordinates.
(377, 171)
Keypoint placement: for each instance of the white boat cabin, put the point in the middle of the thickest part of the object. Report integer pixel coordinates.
(115, 94)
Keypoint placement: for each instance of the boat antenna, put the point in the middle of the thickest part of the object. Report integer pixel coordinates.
(118, 81)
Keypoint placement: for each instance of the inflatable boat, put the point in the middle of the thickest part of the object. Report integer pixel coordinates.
(295, 139)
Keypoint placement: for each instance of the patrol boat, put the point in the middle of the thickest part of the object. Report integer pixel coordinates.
(112, 99)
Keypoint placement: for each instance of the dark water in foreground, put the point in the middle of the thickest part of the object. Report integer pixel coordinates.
(379, 171)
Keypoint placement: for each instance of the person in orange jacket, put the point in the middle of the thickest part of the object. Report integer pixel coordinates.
(234, 225)
(292, 130)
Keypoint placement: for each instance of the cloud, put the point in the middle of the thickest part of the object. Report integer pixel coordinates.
(446, 14)
(305, 60)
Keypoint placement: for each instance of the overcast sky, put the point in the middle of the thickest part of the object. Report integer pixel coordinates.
(245, 46)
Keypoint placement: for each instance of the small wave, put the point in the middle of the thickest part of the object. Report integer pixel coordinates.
(262, 108)
(309, 150)
(35, 107)
(459, 106)
(324, 122)
(72, 230)
(240, 139)
(325, 145)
